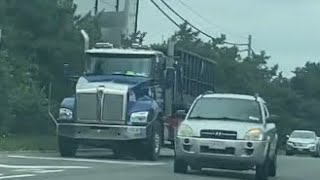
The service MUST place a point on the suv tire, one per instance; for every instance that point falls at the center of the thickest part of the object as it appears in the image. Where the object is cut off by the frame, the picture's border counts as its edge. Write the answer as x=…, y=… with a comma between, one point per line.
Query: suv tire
x=262, y=171
x=273, y=167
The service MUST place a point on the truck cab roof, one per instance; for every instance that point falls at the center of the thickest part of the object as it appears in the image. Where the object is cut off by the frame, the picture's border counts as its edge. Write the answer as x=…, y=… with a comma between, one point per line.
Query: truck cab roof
x=123, y=51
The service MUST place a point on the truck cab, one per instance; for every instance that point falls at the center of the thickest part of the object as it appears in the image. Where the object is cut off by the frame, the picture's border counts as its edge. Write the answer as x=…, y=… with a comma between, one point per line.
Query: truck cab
x=118, y=102
x=129, y=99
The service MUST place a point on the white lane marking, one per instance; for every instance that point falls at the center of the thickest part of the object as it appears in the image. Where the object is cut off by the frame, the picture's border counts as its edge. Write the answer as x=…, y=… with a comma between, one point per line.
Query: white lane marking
x=89, y=160
x=49, y=171
x=39, y=171
x=41, y=167
x=17, y=176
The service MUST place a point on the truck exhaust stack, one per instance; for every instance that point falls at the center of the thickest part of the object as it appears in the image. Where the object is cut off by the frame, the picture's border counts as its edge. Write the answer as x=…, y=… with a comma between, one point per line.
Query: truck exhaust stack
x=86, y=39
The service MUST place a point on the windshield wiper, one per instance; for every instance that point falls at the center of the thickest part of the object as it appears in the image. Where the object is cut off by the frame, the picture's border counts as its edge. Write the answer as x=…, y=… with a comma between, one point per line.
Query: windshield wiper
x=125, y=74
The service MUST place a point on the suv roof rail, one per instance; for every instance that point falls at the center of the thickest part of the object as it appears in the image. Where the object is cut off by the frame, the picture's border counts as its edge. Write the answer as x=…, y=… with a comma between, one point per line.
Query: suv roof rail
x=208, y=92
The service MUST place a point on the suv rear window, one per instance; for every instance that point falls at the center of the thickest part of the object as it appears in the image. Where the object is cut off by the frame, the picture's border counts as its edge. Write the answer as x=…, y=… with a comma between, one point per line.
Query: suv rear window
x=226, y=108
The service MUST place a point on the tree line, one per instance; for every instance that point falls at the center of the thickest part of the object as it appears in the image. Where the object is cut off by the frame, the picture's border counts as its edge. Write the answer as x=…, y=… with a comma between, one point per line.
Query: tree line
x=40, y=35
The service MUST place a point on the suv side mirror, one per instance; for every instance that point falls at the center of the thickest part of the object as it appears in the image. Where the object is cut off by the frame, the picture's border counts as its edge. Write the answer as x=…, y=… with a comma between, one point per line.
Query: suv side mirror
x=287, y=136
x=181, y=114
x=273, y=119
x=170, y=74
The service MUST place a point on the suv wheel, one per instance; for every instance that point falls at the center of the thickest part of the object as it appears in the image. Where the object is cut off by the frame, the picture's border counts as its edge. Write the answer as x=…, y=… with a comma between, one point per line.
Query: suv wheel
x=262, y=171
x=289, y=153
x=67, y=146
x=273, y=167
x=180, y=166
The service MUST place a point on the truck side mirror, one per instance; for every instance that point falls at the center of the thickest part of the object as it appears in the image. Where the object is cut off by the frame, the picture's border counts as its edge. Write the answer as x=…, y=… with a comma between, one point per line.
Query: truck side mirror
x=67, y=73
x=170, y=74
x=273, y=119
x=66, y=70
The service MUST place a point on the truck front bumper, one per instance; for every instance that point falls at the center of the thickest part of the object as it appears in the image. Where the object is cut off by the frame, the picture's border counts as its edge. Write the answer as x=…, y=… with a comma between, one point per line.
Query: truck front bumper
x=102, y=132
x=226, y=154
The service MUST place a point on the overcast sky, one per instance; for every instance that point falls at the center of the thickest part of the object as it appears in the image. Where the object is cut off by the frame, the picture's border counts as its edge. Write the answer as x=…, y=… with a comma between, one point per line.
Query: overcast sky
x=287, y=29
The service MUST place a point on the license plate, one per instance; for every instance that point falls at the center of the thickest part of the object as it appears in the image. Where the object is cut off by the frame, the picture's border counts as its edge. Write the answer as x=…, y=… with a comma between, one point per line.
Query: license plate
x=217, y=145
x=110, y=131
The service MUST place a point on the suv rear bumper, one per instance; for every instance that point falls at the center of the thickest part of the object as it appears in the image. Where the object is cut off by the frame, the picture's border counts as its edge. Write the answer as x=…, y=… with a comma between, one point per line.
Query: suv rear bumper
x=101, y=132
x=232, y=154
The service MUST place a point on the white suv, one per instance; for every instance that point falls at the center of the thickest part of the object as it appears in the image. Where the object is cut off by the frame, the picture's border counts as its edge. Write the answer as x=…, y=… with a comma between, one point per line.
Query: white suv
x=227, y=131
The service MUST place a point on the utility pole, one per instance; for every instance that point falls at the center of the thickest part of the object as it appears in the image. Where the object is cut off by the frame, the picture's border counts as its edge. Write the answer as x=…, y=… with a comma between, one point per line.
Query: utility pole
x=249, y=46
x=117, y=5
x=137, y=14
x=0, y=37
x=96, y=7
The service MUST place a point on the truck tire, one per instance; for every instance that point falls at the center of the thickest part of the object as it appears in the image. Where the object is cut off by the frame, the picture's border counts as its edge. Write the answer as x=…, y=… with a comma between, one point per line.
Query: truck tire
x=180, y=166
x=262, y=171
x=67, y=146
x=117, y=153
x=154, y=143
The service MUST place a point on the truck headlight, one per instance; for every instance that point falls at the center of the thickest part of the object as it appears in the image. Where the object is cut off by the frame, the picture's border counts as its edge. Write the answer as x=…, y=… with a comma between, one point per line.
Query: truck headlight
x=185, y=131
x=139, y=117
x=254, y=135
x=65, y=113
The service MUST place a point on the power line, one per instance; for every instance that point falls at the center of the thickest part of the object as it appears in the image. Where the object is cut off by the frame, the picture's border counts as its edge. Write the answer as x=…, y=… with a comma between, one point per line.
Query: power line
x=177, y=14
x=164, y=13
x=199, y=30
x=206, y=20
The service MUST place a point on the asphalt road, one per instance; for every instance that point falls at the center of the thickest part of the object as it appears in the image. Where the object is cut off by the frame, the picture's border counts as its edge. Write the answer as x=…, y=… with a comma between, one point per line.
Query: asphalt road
x=100, y=165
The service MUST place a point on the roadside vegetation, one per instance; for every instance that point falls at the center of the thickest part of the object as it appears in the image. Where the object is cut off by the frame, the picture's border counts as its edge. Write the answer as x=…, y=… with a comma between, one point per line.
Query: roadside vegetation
x=40, y=35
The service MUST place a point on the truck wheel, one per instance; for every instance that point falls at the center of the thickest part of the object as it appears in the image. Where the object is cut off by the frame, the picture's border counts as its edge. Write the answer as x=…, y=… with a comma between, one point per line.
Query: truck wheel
x=117, y=153
x=262, y=171
x=154, y=144
x=273, y=167
x=180, y=166
x=67, y=146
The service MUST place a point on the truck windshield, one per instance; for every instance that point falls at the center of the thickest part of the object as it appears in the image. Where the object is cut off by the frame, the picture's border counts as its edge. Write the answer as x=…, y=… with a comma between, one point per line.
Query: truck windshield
x=303, y=135
x=121, y=65
x=226, y=109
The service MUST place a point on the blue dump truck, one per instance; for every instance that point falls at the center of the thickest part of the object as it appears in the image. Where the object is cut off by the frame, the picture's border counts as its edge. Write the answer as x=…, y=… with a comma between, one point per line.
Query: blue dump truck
x=131, y=99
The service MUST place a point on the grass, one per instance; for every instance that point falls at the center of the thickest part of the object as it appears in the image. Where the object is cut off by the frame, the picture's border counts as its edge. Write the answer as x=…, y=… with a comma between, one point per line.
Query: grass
x=28, y=143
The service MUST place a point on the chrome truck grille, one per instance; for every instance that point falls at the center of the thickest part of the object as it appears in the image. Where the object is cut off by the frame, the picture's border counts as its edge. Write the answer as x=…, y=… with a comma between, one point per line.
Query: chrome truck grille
x=110, y=108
